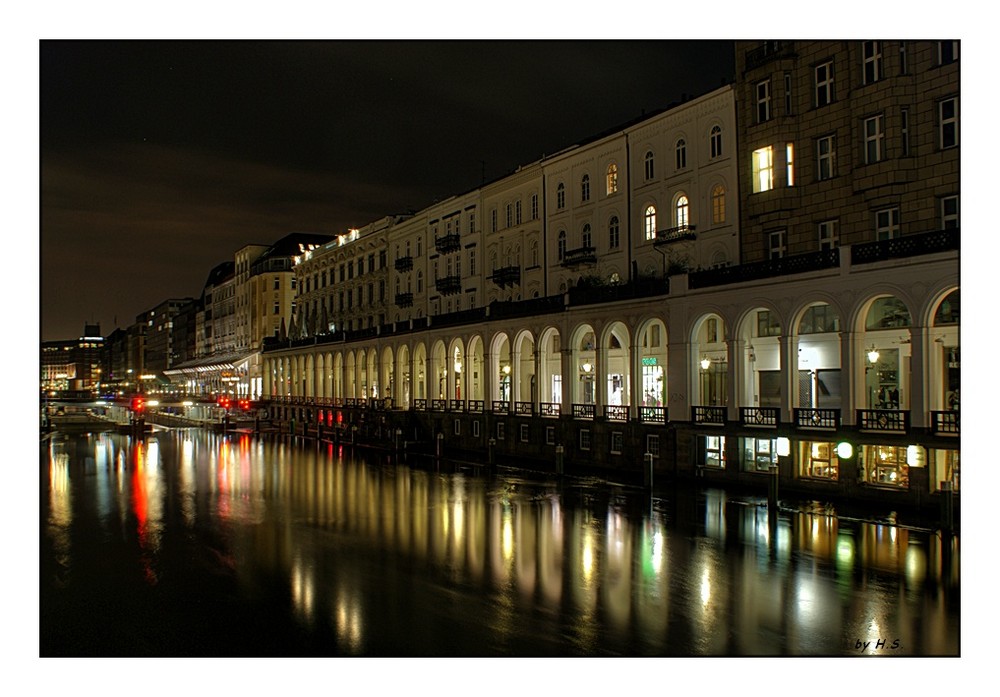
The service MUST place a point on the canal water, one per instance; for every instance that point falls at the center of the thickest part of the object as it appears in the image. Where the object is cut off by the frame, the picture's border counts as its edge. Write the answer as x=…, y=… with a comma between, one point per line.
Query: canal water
x=190, y=543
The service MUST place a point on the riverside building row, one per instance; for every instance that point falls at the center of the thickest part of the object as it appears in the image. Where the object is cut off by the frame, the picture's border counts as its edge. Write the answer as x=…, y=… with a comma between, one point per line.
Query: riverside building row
x=764, y=276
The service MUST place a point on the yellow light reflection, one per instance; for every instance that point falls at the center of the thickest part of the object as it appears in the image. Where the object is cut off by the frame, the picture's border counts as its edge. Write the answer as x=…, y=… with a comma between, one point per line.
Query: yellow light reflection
x=706, y=586
x=587, y=557
x=507, y=539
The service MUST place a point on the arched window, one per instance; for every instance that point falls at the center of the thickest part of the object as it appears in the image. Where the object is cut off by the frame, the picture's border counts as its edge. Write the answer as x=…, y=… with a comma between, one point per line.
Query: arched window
x=612, y=178
x=681, y=154
x=681, y=211
x=718, y=204
x=562, y=245
x=534, y=253
x=648, y=165
x=560, y=196
x=585, y=188
x=587, y=239
x=649, y=222
x=715, y=141
x=614, y=233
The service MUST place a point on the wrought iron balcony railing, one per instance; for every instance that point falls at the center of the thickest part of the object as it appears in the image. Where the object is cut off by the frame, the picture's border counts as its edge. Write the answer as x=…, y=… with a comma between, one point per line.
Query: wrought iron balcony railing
x=549, y=409
x=404, y=263
x=580, y=255
x=759, y=417
x=653, y=415
x=584, y=411
x=817, y=419
x=674, y=234
x=884, y=420
x=448, y=243
x=507, y=276
x=945, y=423
x=767, y=52
x=906, y=246
x=616, y=412
x=709, y=416
x=404, y=299
x=448, y=285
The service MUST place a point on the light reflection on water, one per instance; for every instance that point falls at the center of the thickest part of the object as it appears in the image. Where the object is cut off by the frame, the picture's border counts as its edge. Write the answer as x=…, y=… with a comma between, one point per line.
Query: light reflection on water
x=380, y=559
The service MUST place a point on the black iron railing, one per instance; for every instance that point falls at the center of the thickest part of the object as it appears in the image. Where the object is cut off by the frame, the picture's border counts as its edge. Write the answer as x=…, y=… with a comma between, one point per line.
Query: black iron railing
x=584, y=411
x=945, y=423
x=507, y=276
x=616, y=412
x=448, y=285
x=549, y=409
x=801, y=263
x=906, y=246
x=580, y=255
x=404, y=299
x=884, y=420
x=760, y=417
x=404, y=263
x=653, y=415
x=820, y=419
x=674, y=234
x=709, y=416
x=448, y=243
x=523, y=409
x=501, y=406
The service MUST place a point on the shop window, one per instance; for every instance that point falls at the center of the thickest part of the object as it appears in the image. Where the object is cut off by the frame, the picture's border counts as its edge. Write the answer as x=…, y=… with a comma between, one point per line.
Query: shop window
x=885, y=465
x=715, y=451
x=818, y=460
x=944, y=468
x=617, y=442
x=759, y=454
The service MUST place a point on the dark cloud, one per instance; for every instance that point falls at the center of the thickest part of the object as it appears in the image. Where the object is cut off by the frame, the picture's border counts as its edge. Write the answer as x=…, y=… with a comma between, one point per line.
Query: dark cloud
x=161, y=159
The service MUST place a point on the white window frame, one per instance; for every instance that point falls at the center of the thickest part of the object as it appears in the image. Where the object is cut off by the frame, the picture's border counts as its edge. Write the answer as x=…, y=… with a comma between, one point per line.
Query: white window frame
x=871, y=61
x=763, y=95
x=944, y=48
x=648, y=163
x=827, y=231
x=776, y=243
x=585, y=188
x=614, y=232
x=789, y=164
x=948, y=125
x=587, y=236
x=649, y=222
x=715, y=141
x=584, y=439
x=763, y=169
x=826, y=157
x=824, y=93
x=560, y=196
x=874, y=136
x=887, y=223
x=681, y=151
x=682, y=209
x=949, y=219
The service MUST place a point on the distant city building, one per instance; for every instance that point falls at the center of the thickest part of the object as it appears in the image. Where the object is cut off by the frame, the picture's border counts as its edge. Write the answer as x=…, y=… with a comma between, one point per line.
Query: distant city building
x=73, y=364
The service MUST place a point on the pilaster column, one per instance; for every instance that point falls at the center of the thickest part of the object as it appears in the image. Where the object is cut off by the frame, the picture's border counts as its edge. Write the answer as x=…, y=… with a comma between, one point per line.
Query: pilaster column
x=788, y=362
x=736, y=378
x=917, y=400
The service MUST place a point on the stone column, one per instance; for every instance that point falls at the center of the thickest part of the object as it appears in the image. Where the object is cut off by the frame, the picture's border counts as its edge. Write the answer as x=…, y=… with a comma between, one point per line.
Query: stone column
x=919, y=375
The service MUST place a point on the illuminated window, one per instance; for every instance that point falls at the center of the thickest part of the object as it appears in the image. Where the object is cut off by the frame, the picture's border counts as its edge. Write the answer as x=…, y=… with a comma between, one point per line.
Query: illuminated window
x=763, y=166
x=649, y=222
x=560, y=196
x=612, y=179
x=759, y=454
x=948, y=122
x=872, y=61
x=763, y=101
x=715, y=142
x=614, y=236
x=718, y=204
x=885, y=465
x=681, y=211
x=681, y=150
x=648, y=165
x=585, y=188
x=789, y=164
x=818, y=460
x=824, y=84
x=873, y=139
x=715, y=451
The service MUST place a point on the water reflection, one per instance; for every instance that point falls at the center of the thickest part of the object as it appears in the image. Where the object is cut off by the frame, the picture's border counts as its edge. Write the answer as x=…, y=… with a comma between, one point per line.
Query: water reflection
x=376, y=558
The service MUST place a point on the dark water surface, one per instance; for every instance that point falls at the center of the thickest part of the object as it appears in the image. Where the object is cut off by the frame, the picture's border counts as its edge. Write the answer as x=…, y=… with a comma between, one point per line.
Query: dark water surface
x=195, y=544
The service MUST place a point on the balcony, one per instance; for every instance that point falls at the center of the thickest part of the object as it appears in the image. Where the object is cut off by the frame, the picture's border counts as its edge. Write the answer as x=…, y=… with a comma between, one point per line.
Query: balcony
x=759, y=417
x=883, y=420
x=584, y=411
x=524, y=409
x=944, y=423
x=767, y=52
x=448, y=285
x=817, y=419
x=906, y=246
x=507, y=276
x=404, y=299
x=709, y=416
x=404, y=264
x=783, y=266
x=448, y=243
x=580, y=255
x=549, y=409
x=616, y=412
x=653, y=415
x=674, y=234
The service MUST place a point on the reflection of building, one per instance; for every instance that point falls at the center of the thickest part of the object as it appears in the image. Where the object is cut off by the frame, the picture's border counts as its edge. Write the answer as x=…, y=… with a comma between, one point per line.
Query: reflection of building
x=767, y=269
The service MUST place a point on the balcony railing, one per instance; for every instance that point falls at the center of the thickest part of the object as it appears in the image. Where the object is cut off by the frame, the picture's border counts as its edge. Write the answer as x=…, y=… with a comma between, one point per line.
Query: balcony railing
x=501, y=406
x=404, y=299
x=616, y=412
x=404, y=263
x=767, y=52
x=709, y=416
x=674, y=234
x=584, y=411
x=580, y=255
x=550, y=409
x=653, y=415
x=817, y=419
x=759, y=417
x=420, y=404
x=801, y=263
x=523, y=409
x=476, y=406
x=884, y=420
x=448, y=285
x=945, y=423
x=456, y=405
x=906, y=246
x=507, y=276
x=439, y=404
x=448, y=243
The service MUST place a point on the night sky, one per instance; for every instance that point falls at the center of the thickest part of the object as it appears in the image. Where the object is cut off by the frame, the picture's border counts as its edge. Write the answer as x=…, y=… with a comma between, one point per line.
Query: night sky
x=159, y=159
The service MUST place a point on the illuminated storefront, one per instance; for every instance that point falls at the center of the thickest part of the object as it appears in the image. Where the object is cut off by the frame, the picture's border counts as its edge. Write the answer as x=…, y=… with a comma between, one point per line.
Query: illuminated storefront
x=818, y=460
